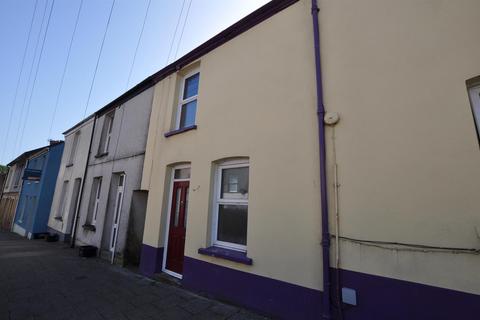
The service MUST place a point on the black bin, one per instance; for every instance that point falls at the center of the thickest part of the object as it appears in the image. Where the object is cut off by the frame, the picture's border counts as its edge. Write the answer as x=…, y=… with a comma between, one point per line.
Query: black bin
x=87, y=251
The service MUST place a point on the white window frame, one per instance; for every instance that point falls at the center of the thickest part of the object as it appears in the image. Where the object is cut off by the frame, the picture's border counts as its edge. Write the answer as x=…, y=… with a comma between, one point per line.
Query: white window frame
x=217, y=201
x=73, y=151
x=96, y=204
x=18, y=175
x=63, y=199
x=182, y=101
x=108, y=135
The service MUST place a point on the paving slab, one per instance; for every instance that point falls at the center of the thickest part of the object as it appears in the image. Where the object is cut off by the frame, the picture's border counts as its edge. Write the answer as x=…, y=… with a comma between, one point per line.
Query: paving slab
x=44, y=280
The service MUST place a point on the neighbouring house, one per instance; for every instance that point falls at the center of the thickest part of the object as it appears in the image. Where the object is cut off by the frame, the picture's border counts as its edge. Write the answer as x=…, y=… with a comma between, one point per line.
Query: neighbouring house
x=3, y=178
x=111, y=212
x=70, y=179
x=372, y=214
x=35, y=200
x=11, y=189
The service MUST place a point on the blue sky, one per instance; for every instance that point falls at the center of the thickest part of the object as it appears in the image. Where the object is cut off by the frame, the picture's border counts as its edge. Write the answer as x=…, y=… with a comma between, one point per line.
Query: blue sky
x=33, y=109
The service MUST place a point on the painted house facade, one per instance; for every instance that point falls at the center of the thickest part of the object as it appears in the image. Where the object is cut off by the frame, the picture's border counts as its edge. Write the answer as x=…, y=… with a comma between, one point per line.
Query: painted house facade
x=70, y=179
x=39, y=178
x=110, y=207
x=11, y=189
x=248, y=190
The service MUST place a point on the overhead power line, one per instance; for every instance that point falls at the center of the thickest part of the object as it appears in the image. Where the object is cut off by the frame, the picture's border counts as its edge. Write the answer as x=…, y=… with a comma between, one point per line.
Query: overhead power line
x=98, y=59
x=65, y=69
x=138, y=44
x=183, y=29
x=175, y=32
x=36, y=71
x=15, y=142
x=18, y=81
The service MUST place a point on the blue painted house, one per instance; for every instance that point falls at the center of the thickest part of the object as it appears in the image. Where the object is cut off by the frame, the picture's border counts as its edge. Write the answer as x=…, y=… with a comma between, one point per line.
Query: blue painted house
x=38, y=187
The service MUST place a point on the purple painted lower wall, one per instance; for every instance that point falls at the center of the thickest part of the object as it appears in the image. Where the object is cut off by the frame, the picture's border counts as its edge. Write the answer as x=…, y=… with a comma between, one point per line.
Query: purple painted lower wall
x=377, y=297
x=268, y=296
x=387, y=298
x=151, y=260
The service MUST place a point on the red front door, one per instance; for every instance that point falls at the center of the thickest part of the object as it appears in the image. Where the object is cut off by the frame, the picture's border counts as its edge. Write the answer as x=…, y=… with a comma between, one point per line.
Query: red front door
x=177, y=228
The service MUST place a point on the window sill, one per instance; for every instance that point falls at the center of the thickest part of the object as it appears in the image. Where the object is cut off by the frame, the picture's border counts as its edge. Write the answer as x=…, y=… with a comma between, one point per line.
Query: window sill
x=174, y=132
x=227, y=254
x=101, y=155
x=58, y=218
x=69, y=165
x=89, y=227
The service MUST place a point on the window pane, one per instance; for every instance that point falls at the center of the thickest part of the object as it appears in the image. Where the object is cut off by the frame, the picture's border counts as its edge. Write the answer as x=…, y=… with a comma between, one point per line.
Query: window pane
x=182, y=173
x=121, y=180
x=178, y=200
x=235, y=183
x=187, y=117
x=191, y=86
x=232, y=224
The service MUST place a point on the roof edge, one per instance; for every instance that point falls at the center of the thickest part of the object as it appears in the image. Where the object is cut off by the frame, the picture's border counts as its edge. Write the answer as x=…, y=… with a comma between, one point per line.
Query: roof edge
x=236, y=29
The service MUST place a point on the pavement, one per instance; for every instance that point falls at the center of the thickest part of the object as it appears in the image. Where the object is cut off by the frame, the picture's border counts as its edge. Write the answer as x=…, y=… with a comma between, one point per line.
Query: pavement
x=44, y=280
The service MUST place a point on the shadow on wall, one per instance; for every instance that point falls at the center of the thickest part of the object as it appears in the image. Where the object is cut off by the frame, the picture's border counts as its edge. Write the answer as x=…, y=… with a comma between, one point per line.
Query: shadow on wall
x=138, y=209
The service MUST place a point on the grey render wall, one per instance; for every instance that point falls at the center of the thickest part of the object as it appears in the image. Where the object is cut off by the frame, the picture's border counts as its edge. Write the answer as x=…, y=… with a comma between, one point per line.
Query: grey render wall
x=125, y=155
x=70, y=172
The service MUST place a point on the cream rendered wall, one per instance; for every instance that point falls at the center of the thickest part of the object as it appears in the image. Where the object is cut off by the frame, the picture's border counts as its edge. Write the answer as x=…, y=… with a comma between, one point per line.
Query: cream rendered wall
x=256, y=99
x=70, y=173
x=407, y=152
x=406, y=148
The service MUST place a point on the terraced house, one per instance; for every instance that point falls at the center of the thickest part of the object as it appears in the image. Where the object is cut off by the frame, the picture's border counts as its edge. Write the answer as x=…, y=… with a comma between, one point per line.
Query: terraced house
x=323, y=163
x=35, y=200
x=317, y=159
x=11, y=189
x=70, y=181
x=109, y=201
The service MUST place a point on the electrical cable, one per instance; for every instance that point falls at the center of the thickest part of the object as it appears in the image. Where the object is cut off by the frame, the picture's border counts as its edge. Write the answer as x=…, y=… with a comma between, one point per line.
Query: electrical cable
x=36, y=71
x=138, y=44
x=408, y=246
x=98, y=59
x=183, y=29
x=18, y=80
x=65, y=69
x=175, y=32
x=15, y=142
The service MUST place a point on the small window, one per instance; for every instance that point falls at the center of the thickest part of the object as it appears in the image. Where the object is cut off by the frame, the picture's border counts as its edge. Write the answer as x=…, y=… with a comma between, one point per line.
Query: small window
x=474, y=93
x=106, y=133
x=9, y=177
x=18, y=175
x=63, y=195
x=73, y=150
x=230, y=215
x=182, y=173
x=187, y=107
x=94, y=203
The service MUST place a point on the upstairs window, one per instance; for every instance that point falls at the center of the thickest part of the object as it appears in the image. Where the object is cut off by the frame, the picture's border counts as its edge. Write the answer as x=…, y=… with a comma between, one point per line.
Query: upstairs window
x=18, y=175
x=73, y=150
x=230, y=214
x=106, y=133
x=11, y=172
x=187, y=106
x=474, y=93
